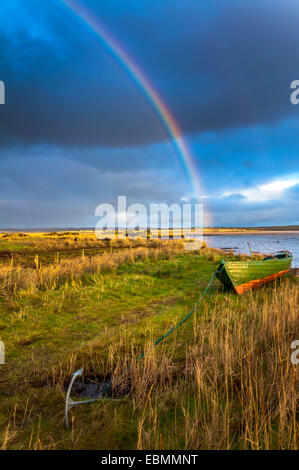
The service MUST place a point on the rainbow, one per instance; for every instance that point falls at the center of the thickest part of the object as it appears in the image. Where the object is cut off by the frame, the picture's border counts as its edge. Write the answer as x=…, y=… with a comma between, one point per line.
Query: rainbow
x=146, y=87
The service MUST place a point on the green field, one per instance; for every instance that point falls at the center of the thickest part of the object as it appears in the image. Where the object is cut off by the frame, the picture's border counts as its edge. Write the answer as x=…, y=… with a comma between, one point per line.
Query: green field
x=222, y=380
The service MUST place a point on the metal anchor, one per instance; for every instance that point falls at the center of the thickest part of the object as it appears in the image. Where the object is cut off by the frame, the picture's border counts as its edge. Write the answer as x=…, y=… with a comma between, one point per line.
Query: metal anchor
x=69, y=403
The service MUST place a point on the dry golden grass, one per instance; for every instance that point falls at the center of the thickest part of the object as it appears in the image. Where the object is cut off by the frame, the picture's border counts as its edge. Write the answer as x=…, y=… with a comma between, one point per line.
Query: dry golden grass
x=231, y=386
x=73, y=240
x=224, y=380
x=236, y=387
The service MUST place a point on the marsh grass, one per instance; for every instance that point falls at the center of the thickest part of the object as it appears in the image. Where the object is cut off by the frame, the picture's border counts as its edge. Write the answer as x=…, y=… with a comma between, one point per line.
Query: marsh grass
x=224, y=380
x=25, y=249
x=14, y=278
x=238, y=386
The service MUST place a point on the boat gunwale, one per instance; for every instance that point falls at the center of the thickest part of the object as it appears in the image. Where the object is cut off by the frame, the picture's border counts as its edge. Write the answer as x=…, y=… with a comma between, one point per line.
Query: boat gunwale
x=225, y=266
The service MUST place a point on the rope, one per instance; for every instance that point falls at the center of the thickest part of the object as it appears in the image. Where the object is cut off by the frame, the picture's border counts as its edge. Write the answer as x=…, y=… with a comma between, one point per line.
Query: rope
x=210, y=284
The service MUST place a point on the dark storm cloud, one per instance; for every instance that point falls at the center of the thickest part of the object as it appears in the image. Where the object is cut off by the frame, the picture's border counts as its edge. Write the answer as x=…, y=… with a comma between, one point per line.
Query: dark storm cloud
x=236, y=211
x=76, y=130
x=44, y=189
x=218, y=64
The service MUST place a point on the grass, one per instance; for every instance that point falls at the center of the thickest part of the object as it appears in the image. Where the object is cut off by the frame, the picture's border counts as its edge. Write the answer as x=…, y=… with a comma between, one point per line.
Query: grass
x=223, y=380
x=21, y=249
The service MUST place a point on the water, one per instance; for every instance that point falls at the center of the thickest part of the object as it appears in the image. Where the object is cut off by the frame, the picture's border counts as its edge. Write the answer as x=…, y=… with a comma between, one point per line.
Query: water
x=89, y=389
x=263, y=243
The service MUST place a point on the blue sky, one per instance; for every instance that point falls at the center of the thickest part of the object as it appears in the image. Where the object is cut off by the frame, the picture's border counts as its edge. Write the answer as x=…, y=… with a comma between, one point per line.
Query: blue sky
x=76, y=131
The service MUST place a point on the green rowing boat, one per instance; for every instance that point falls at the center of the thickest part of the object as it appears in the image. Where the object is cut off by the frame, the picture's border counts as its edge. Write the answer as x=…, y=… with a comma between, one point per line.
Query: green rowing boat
x=242, y=276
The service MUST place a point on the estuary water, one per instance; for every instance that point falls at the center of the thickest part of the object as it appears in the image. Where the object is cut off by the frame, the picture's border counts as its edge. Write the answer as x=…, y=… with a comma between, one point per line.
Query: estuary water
x=263, y=243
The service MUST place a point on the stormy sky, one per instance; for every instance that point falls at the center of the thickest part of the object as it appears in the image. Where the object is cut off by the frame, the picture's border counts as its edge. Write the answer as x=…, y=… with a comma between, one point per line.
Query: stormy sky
x=76, y=131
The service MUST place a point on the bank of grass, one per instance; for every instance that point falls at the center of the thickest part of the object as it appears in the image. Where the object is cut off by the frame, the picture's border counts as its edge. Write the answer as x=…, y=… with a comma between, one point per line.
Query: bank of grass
x=222, y=380
x=24, y=249
x=15, y=278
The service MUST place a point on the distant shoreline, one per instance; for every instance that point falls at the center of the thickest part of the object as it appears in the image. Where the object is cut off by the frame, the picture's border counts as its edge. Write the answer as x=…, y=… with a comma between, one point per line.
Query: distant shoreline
x=249, y=232
x=206, y=232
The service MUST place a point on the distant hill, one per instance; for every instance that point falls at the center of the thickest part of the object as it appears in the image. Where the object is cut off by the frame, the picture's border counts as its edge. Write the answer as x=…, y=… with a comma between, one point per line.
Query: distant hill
x=91, y=229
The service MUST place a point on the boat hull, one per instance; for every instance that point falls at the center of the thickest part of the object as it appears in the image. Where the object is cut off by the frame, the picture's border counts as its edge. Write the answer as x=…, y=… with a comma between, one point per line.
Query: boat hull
x=242, y=276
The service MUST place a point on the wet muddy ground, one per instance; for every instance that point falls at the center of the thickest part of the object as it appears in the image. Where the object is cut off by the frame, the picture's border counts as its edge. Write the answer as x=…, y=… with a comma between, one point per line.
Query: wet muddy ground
x=90, y=388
